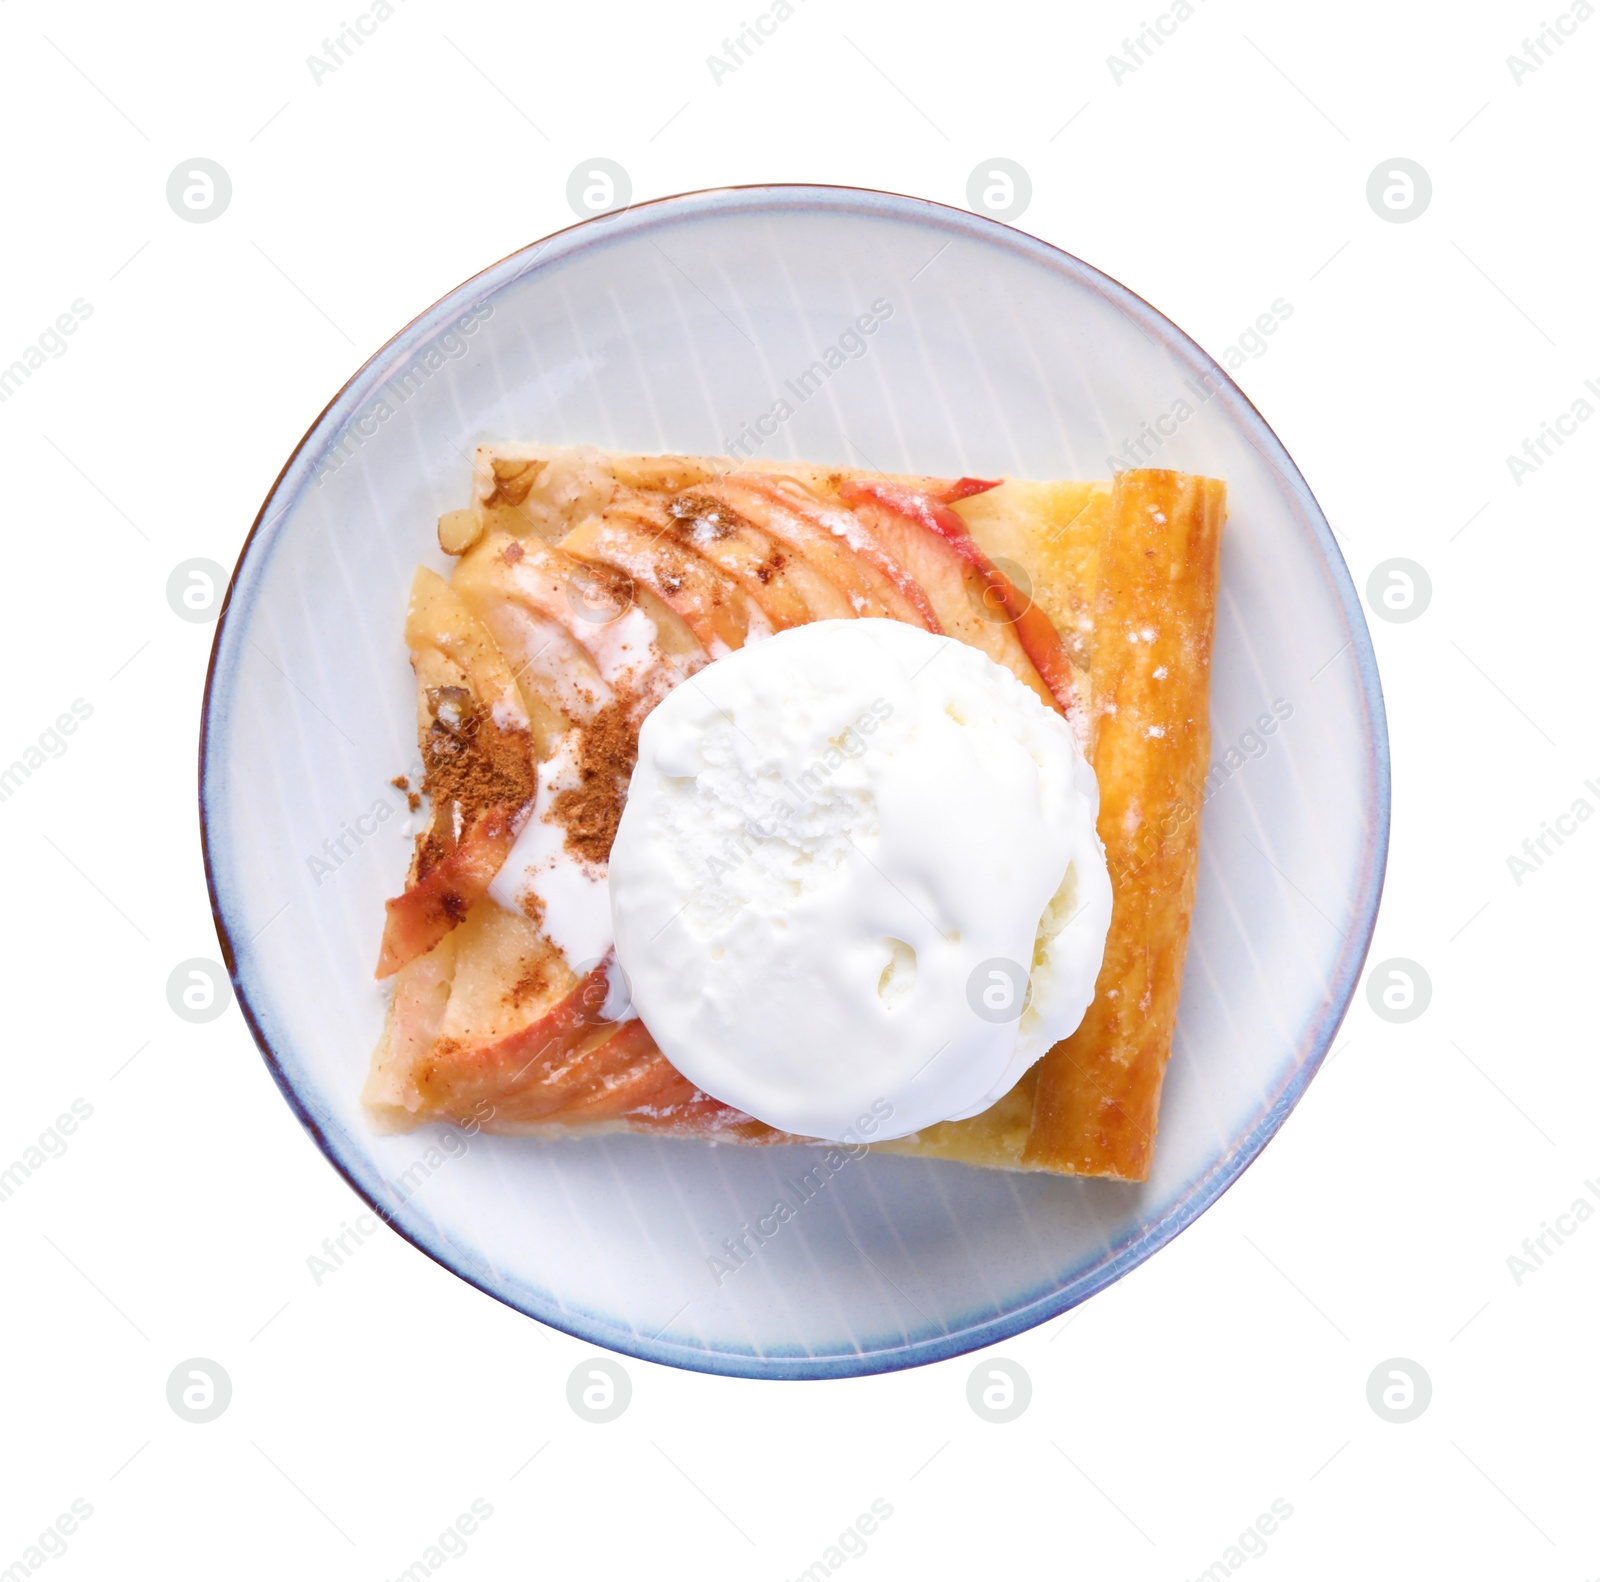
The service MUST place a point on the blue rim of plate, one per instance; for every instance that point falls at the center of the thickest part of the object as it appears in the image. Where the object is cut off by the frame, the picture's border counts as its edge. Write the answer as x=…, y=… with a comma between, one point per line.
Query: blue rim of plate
x=1196, y=1195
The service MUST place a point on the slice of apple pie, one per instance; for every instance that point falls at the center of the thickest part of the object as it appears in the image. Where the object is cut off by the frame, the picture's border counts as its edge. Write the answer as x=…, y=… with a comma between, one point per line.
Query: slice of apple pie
x=588, y=585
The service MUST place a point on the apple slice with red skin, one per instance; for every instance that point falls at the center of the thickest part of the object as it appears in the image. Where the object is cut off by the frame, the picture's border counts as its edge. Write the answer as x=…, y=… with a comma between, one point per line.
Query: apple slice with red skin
x=470, y=710
x=614, y=1070
x=460, y=1079
x=545, y=657
x=964, y=489
x=620, y=1074
x=570, y=1063
x=700, y=1115
x=1033, y=629
x=784, y=583
x=418, y=919
x=416, y=1013
x=817, y=533
x=489, y=979
x=955, y=587
x=847, y=526
x=627, y=1073
x=561, y=589
x=713, y=605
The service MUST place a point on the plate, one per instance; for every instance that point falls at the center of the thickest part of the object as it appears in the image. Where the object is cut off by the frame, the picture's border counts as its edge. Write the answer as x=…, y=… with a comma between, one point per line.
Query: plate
x=720, y=321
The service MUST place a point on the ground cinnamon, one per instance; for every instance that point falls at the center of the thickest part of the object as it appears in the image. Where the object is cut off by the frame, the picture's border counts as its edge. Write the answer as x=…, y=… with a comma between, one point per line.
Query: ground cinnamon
x=469, y=765
x=608, y=746
x=534, y=980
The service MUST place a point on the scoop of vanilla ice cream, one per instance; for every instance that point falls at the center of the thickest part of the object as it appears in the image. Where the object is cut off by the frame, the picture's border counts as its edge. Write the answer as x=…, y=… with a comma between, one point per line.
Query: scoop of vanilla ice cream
x=857, y=887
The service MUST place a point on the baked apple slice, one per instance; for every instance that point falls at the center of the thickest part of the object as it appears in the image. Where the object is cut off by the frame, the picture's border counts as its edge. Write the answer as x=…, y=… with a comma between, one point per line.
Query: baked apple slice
x=636, y=646
x=712, y=604
x=493, y=1025
x=475, y=1020
x=956, y=588
x=478, y=745
x=1001, y=600
x=760, y=501
x=898, y=589
x=546, y=659
x=788, y=588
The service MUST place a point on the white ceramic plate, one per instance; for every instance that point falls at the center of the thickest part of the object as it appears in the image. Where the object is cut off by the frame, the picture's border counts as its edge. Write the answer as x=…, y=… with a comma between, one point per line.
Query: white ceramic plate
x=671, y=327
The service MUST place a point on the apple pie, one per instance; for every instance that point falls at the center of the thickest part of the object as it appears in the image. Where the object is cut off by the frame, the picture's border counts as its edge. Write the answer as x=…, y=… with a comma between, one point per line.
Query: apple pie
x=587, y=585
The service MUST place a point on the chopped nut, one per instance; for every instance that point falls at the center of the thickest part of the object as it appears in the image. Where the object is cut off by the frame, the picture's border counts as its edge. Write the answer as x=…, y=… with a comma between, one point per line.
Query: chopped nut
x=513, y=479
x=459, y=531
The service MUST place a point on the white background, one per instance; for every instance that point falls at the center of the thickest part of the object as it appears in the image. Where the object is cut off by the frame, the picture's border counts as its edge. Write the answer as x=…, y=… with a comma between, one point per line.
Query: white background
x=369, y=1411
